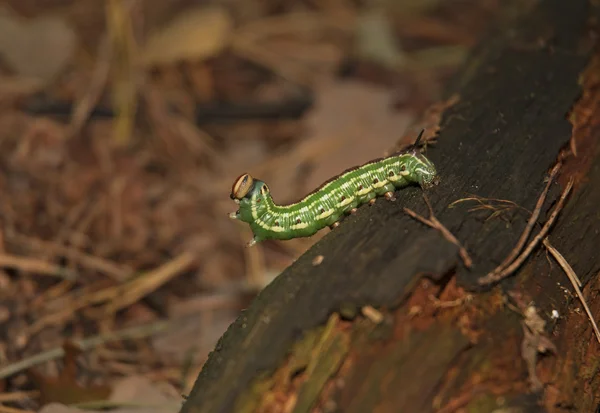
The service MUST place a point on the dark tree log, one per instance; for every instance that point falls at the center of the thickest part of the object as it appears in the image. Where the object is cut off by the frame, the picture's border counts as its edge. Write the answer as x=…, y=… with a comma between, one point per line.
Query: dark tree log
x=304, y=343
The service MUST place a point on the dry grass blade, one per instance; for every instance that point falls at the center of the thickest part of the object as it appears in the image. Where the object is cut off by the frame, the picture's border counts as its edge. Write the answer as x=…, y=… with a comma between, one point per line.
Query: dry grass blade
x=434, y=223
x=124, y=88
x=499, y=274
x=117, y=297
x=18, y=395
x=574, y=281
x=35, y=266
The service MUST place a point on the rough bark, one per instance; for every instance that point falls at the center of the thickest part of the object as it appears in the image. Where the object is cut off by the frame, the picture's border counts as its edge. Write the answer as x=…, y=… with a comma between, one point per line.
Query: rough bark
x=304, y=342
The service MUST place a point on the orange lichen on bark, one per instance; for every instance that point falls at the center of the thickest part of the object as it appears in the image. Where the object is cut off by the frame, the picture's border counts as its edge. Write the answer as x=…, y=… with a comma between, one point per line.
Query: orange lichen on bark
x=584, y=117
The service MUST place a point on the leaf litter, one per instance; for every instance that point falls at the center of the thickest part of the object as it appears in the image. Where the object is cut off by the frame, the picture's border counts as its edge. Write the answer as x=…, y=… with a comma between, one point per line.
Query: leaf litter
x=117, y=260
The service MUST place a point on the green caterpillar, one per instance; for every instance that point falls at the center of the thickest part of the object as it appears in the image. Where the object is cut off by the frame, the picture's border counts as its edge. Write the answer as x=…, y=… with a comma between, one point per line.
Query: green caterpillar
x=326, y=205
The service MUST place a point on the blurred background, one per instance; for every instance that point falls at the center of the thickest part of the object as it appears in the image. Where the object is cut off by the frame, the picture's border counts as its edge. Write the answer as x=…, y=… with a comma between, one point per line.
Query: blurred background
x=123, y=125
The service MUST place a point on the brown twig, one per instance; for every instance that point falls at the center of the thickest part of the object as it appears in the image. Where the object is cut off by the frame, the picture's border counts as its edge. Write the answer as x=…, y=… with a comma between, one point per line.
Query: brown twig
x=434, y=223
x=574, y=281
x=499, y=273
x=531, y=223
x=35, y=266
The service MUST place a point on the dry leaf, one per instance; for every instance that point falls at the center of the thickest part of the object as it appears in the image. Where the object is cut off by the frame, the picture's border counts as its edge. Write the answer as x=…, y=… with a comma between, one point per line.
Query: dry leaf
x=66, y=388
x=137, y=393
x=362, y=116
x=375, y=39
x=140, y=390
x=60, y=408
x=196, y=34
x=39, y=47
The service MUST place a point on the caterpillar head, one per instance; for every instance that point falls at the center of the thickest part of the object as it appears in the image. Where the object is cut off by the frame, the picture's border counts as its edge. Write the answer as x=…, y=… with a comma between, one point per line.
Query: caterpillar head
x=250, y=194
x=424, y=170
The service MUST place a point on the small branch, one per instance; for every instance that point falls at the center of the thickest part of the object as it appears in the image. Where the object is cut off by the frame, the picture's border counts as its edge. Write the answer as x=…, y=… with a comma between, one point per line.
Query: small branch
x=434, y=223
x=499, y=274
x=574, y=281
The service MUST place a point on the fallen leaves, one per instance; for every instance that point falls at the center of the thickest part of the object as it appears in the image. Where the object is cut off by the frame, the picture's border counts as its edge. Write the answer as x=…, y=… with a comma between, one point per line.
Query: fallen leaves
x=38, y=48
x=194, y=35
x=129, y=395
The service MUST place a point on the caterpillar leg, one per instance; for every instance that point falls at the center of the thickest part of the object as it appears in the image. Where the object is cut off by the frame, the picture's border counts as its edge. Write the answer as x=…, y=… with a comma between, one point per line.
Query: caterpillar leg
x=390, y=196
x=353, y=211
x=233, y=215
x=335, y=225
x=372, y=201
x=251, y=243
x=434, y=182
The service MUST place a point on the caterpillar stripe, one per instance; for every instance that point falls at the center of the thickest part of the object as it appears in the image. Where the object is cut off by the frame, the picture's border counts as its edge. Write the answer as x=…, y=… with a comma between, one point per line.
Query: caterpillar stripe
x=328, y=204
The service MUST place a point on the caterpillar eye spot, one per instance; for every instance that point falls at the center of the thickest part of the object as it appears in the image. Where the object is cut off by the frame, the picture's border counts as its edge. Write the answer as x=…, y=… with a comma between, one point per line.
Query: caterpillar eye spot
x=241, y=186
x=375, y=180
x=258, y=201
x=343, y=198
x=264, y=189
x=276, y=223
x=360, y=187
x=391, y=173
x=322, y=210
x=298, y=221
x=403, y=168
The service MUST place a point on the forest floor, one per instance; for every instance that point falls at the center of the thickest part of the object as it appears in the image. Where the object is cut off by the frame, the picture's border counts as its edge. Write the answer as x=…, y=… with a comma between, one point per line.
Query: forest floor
x=123, y=125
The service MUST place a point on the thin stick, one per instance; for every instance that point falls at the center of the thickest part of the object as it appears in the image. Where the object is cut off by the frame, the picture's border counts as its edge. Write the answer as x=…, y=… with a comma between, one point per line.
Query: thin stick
x=496, y=276
x=35, y=266
x=434, y=223
x=574, y=281
x=18, y=395
x=531, y=223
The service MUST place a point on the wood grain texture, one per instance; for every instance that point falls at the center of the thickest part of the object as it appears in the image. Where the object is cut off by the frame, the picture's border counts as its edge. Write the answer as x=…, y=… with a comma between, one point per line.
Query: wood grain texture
x=498, y=141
